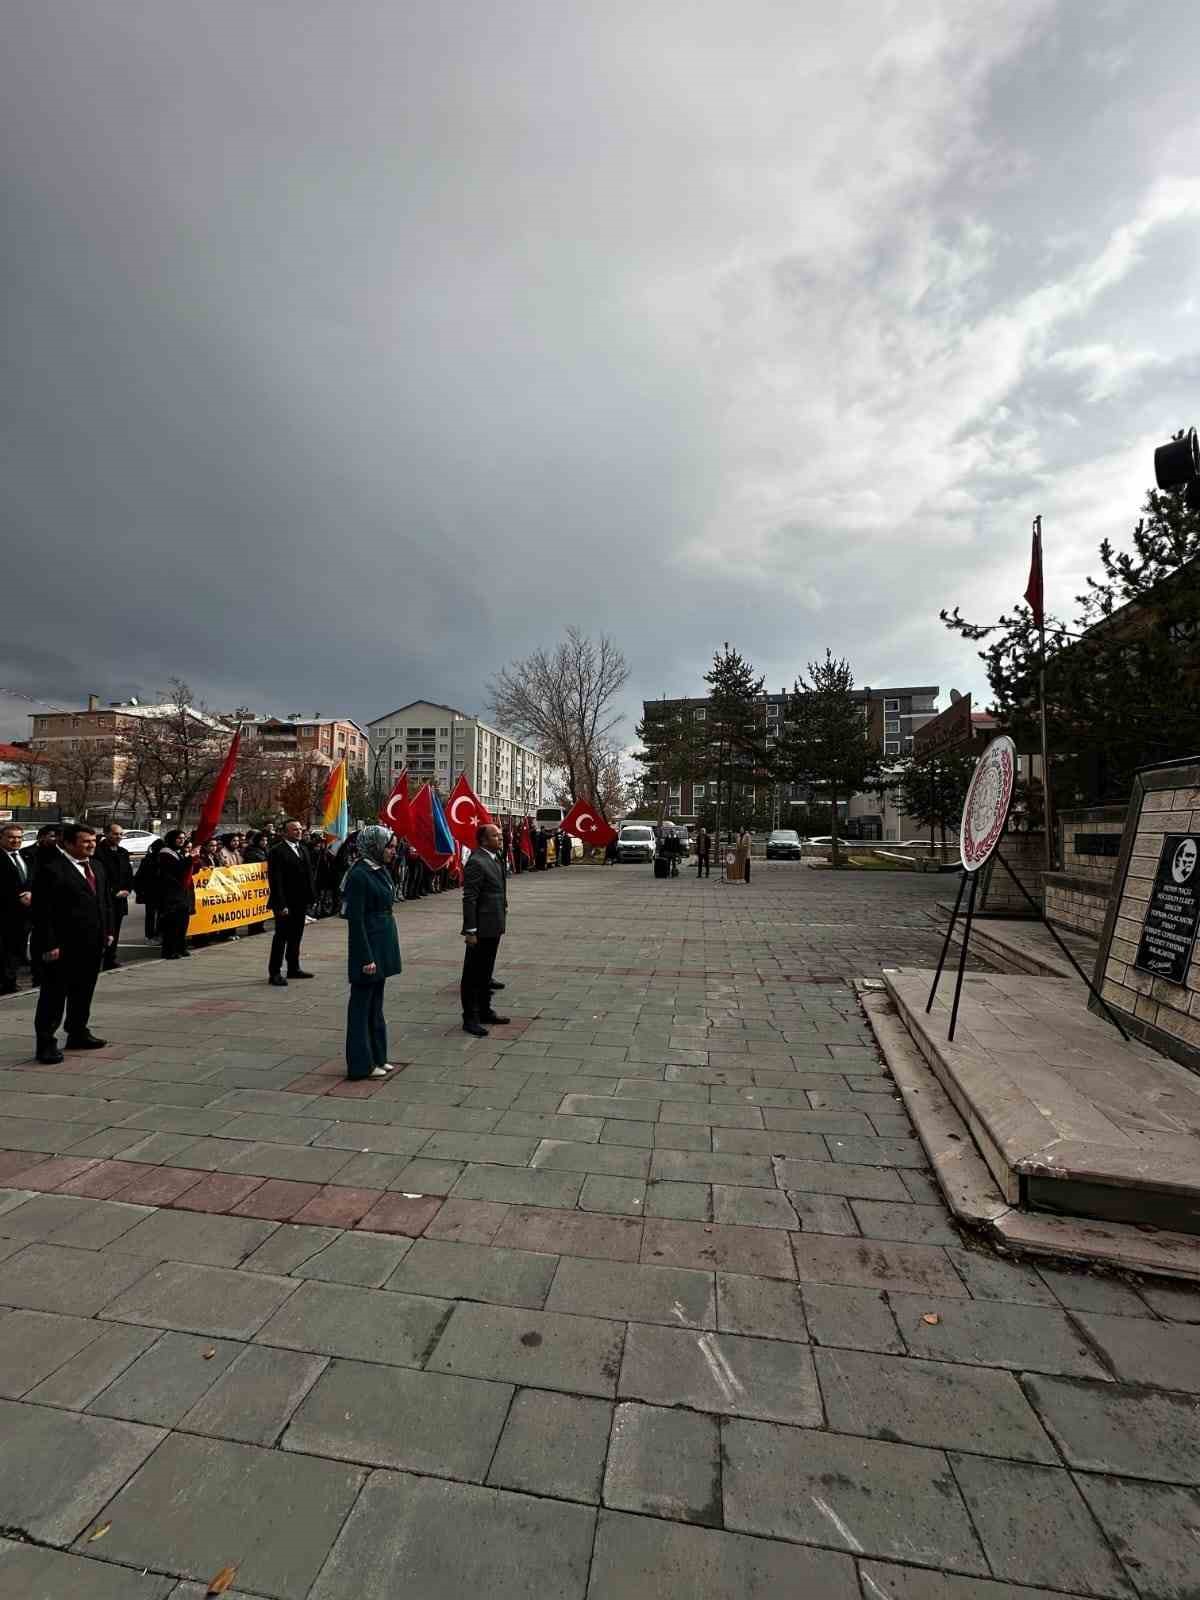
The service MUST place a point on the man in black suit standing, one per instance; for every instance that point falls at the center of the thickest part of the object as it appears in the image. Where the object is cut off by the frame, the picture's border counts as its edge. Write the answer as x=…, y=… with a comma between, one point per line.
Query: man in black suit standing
x=290, y=880
x=118, y=870
x=485, y=904
x=72, y=925
x=36, y=855
x=16, y=879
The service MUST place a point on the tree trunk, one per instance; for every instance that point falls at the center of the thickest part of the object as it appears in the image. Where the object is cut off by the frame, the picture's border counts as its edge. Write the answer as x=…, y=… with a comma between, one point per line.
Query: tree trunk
x=833, y=830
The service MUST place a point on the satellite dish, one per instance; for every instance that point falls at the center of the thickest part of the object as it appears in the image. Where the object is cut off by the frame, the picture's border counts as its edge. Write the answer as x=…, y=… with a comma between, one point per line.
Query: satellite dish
x=955, y=697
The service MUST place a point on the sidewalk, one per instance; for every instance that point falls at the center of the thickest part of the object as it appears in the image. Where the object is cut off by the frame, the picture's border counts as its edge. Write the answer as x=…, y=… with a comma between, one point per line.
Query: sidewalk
x=650, y=1294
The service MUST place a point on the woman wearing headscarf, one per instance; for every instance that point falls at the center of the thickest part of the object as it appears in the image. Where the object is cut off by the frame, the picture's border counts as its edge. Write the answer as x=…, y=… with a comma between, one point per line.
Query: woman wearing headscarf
x=374, y=952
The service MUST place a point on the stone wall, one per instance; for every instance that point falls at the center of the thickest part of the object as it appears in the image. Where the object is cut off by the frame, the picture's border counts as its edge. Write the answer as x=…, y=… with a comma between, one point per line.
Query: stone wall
x=1076, y=903
x=999, y=895
x=1075, y=827
x=1166, y=1015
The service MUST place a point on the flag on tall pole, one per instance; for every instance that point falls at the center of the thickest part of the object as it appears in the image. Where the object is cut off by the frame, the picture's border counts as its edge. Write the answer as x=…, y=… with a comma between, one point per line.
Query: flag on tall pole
x=210, y=814
x=335, y=809
x=1034, y=593
x=525, y=840
x=1036, y=597
x=394, y=812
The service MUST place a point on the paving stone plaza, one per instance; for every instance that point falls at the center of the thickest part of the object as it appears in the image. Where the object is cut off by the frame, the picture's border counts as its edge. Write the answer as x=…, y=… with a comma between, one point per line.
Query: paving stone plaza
x=647, y=1295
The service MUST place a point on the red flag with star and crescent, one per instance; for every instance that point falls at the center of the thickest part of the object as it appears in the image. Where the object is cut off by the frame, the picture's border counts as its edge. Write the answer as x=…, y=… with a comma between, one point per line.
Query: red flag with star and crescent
x=465, y=812
x=585, y=823
x=525, y=840
x=394, y=812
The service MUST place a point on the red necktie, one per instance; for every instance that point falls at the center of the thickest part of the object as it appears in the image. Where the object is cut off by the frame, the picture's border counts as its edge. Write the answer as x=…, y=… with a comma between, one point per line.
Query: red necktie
x=90, y=876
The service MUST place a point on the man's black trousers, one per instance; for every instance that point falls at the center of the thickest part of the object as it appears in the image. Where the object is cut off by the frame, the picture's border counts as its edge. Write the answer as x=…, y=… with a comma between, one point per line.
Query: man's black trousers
x=289, y=931
x=67, y=985
x=479, y=962
x=702, y=866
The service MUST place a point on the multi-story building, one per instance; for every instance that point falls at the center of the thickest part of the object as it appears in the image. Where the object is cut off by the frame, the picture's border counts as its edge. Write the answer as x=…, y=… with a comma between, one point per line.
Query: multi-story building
x=892, y=716
x=87, y=750
x=295, y=736
x=436, y=742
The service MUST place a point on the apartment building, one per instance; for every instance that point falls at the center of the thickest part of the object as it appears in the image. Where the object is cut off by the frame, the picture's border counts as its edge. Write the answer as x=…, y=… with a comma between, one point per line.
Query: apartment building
x=297, y=737
x=87, y=749
x=436, y=742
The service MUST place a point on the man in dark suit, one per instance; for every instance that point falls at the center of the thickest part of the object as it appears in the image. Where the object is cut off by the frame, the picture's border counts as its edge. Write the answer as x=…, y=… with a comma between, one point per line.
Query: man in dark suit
x=118, y=871
x=36, y=855
x=485, y=904
x=72, y=925
x=16, y=879
x=290, y=880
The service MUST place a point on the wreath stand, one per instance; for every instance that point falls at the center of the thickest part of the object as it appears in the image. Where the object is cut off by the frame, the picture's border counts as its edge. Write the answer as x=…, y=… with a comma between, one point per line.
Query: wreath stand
x=1000, y=752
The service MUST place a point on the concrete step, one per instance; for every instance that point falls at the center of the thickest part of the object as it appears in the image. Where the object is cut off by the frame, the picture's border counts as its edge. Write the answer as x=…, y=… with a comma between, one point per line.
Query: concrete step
x=1069, y=1118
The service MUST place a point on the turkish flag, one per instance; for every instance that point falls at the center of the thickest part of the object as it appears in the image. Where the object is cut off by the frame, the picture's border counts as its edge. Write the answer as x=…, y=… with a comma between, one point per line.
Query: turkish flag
x=584, y=823
x=1034, y=593
x=394, y=813
x=465, y=812
x=210, y=814
x=526, y=840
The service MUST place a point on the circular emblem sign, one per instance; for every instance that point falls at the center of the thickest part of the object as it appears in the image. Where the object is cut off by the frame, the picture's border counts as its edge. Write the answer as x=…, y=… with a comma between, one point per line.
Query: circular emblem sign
x=988, y=799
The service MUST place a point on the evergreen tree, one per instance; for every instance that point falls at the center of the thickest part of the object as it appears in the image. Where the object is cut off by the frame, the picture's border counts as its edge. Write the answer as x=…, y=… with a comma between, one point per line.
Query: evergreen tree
x=930, y=792
x=736, y=732
x=675, y=750
x=1124, y=695
x=825, y=742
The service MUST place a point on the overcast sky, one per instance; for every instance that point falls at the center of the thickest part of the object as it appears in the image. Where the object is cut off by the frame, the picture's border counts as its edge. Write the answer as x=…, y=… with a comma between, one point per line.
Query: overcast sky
x=354, y=347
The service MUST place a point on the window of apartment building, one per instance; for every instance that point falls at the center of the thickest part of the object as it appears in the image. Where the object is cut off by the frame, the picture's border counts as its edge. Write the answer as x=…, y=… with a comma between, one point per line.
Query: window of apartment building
x=892, y=706
x=443, y=733
x=891, y=724
x=700, y=715
x=891, y=747
x=697, y=792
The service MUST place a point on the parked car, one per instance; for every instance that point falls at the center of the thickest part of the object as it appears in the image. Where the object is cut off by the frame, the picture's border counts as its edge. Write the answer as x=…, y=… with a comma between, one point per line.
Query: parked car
x=636, y=842
x=783, y=845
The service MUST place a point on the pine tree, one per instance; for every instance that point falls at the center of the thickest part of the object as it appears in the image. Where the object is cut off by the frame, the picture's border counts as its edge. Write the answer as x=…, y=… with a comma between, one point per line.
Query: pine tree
x=825, y=742
x=675, y=750
x=736, y=730
x=1125, y=694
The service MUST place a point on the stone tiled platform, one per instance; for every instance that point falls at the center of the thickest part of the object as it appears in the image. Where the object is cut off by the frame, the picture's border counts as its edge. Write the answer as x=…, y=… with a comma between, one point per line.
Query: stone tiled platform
x=1068, y=1116
x=649, y=1294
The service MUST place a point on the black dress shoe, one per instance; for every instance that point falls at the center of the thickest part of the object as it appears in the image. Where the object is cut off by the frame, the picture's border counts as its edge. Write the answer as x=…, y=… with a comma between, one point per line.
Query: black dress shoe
x=495, y=984
x=476, y=1028
x=301, y=974
x=50, y=1056
x=496, y=1022
x=184, y=954
x=277, y=982
x=85, y=1041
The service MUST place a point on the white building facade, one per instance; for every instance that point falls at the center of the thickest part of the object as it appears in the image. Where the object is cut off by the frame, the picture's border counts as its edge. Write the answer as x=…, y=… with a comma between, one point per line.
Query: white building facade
x=437, y=742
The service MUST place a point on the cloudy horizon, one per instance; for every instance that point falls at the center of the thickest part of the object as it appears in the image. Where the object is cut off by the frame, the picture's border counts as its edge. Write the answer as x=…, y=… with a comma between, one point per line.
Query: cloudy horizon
x=355, y=350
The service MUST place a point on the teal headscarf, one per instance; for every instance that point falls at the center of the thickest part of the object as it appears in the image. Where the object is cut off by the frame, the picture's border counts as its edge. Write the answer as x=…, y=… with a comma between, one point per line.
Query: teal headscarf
x=373, y=841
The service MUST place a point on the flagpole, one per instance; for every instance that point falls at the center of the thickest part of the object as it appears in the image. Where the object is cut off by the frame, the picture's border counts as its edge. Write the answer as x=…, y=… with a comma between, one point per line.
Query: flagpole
x=1047, y=802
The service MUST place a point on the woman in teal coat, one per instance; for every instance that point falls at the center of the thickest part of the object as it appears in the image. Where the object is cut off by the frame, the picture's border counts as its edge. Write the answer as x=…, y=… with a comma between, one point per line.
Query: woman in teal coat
x=374, y=952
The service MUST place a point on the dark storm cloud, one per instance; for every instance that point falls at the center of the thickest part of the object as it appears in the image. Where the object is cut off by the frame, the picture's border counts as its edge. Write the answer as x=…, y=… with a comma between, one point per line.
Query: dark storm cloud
x=352, y=350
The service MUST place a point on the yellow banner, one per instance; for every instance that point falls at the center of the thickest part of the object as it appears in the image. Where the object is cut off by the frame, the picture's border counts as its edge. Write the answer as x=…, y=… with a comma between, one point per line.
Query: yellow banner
x=229, y=897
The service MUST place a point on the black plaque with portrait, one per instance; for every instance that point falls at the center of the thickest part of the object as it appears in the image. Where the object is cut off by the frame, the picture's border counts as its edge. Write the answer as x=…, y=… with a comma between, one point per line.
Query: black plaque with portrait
x=1173, y=915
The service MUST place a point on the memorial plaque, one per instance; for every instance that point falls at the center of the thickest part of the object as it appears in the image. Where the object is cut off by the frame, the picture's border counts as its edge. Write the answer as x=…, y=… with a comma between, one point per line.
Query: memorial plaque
x=1173, y=914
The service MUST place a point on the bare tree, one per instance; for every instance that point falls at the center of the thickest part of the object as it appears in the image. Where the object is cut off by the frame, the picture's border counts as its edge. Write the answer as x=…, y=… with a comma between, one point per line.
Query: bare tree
x=175, y=755
x=301, y=792
x=564, y=701
x=79, y=768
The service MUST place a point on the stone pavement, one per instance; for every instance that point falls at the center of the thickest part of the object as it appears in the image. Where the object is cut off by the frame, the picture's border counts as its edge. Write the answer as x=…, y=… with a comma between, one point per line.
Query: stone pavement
x=647, y=1295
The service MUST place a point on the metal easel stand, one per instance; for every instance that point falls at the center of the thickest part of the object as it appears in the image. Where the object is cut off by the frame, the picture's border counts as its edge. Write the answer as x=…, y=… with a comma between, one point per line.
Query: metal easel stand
x=1092, y=990
x=962, y=957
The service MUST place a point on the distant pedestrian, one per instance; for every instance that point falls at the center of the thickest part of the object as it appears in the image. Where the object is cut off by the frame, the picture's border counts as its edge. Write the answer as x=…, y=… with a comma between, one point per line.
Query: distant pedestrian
x=742, y=856
x=485, y=905
x=290, y=875
x=71, y=915
x=118, y=871
x=703, y=852
x=610, y=852
x=176, y=896
x=373, y=947
x=16, y=878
